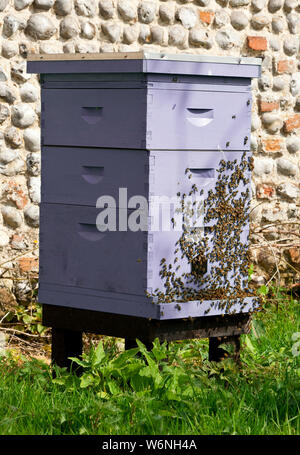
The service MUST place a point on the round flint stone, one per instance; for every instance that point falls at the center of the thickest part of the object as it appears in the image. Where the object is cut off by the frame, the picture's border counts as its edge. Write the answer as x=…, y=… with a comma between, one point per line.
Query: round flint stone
x=21, y=4
x=11, y=216
x=33, y=161
x=106, y=8
x=278, y=83
x=225, y=39
x=275, y=5
x=29, y=93
x=9, y=49
x=44, y=4
x=7, y=156
x=69, y=27
x=32, y=215
x=63, y=7
x=40, y=26
x=177, y=35
x=187, y=17
x=23, y=115
x=32, y=139
x=86, y=8
x=262, y=166
x=293, y=144
x=88, y=30
x=221, y=18
x=277, y=25
x=13, y=137
x=239, y=20
x=3, y=4
x=4, y=113
x=286, y=167
x=146, y=12
x=127, y=11
x=11, y=25
x=258, y=5
x=167, y=13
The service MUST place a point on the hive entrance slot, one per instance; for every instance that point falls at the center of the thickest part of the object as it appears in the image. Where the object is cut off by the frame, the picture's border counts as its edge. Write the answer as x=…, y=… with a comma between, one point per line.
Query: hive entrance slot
x=199, y=265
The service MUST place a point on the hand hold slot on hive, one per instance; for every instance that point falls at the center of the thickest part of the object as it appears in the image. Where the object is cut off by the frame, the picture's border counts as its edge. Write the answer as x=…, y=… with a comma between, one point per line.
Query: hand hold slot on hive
x=93, y=174
x=90, y=232
x=203, y=173
x=92, y=115
x=200, y=117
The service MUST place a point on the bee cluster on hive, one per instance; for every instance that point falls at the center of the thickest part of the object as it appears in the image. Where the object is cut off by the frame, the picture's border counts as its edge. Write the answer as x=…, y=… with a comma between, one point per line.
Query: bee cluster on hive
x=221, y=243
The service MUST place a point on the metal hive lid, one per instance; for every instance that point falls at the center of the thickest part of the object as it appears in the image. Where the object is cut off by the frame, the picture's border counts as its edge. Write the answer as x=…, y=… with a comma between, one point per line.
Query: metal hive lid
x=145, y=62
x=142, y=55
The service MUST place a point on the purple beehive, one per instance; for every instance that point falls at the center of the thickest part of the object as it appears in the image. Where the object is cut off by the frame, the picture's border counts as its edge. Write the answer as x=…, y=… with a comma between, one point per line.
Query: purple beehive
x=127, y=127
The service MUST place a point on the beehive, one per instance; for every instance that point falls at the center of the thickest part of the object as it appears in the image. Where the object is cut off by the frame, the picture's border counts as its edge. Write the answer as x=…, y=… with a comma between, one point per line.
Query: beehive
x=154, y=125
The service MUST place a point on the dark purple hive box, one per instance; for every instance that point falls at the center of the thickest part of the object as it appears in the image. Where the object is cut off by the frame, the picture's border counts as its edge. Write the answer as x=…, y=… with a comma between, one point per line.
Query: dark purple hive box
x=134, y=121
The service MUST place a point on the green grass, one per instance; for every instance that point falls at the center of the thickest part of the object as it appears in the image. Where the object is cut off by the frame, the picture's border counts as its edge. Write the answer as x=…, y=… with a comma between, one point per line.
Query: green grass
x=185, y=394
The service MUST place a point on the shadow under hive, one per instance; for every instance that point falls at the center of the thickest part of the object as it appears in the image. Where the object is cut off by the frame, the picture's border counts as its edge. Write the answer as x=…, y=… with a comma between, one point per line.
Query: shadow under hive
x=135, y=121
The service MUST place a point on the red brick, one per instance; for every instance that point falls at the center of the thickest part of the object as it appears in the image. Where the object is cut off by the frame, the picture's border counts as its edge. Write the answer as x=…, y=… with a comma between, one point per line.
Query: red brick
x=28, y=264
x=292, y=123
x=264, y=191
x=268, y=106
x=257, y=43
x=285, y=66
x=16, y=194
x=206, y=16
x=272, y=145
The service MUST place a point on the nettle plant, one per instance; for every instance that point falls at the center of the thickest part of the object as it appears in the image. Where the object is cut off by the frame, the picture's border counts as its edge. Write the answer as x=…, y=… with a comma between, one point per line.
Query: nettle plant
x=218, y=253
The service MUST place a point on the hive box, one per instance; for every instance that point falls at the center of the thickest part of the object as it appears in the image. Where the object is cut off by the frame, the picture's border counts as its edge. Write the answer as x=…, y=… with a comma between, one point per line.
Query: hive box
x=134, y=122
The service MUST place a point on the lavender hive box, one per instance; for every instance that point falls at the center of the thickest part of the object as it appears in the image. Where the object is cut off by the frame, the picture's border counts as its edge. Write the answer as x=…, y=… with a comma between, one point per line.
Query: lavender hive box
x=146, y=118
x=82, y=175
x=146, y=101
x=134, y=121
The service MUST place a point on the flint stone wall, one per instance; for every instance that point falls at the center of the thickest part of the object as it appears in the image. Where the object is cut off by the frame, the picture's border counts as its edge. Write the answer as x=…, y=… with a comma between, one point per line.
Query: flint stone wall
x=262, y=28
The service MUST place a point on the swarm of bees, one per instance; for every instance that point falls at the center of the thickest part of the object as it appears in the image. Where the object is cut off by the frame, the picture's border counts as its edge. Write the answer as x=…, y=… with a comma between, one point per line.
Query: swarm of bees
x=218, y=254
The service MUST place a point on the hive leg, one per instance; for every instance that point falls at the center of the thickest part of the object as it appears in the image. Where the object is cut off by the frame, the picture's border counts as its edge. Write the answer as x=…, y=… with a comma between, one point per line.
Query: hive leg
x=236, y=340
x=65, y=344
x=216, y=354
